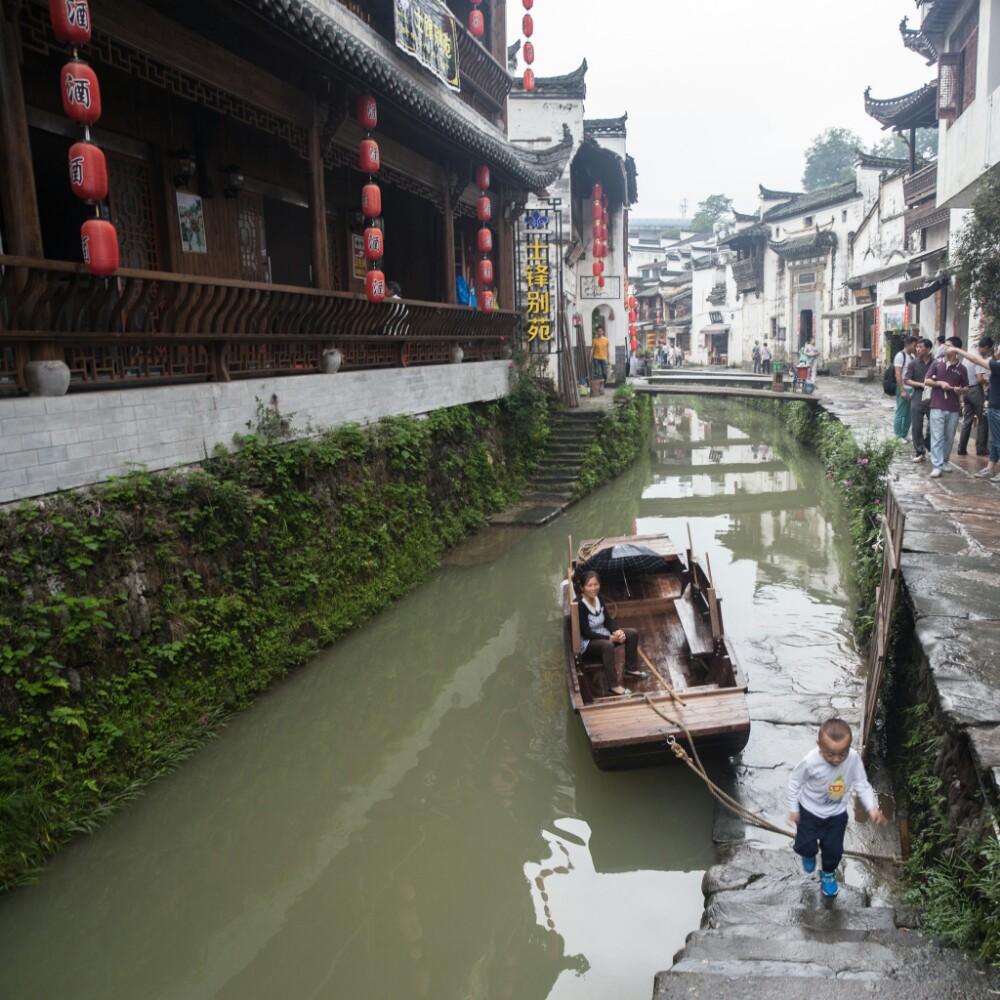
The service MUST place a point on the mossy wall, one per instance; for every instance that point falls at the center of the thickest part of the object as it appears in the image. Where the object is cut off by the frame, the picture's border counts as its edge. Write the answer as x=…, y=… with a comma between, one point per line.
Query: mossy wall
x=136, y=616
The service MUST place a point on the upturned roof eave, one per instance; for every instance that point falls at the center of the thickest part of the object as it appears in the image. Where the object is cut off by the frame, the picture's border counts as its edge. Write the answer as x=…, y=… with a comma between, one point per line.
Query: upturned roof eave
x=375, y=64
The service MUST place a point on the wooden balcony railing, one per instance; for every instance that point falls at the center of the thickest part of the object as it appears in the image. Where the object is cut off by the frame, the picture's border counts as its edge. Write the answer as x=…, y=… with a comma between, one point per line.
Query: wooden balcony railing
x=921, y=185
x=746, y=276
x=145, y=327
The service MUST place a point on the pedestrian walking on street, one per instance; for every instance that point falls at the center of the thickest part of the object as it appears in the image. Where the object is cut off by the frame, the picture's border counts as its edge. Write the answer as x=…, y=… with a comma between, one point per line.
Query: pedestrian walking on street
x=919, y=399
x=765, y=358
x=901, y=424
x=817, y=800
x=755, y=355
x=993, y=410
x=974, y=400
x=948, y=380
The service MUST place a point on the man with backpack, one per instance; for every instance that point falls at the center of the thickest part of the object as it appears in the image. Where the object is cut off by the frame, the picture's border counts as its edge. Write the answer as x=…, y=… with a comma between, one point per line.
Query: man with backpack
x=901, y=425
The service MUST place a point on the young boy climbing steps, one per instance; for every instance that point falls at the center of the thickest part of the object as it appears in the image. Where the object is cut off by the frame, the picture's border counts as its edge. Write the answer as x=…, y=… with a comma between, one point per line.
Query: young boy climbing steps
x=817, y=800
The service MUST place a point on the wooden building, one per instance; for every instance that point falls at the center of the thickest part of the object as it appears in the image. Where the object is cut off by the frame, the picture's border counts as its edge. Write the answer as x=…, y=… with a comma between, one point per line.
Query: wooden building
x=232, y=148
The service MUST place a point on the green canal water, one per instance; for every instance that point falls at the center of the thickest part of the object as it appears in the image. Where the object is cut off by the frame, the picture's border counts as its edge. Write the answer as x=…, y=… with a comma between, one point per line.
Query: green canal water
x=415, y=813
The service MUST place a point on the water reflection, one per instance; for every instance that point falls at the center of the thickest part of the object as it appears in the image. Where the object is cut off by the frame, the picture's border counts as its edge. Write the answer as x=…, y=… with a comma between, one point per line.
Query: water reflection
x=376, y=826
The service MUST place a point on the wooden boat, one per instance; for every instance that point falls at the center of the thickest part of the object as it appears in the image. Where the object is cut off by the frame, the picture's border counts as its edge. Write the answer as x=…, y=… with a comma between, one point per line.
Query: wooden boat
x=694, y=676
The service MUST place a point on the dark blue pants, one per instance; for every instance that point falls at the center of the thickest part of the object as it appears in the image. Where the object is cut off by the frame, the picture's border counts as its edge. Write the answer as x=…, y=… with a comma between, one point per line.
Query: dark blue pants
x=826, y=832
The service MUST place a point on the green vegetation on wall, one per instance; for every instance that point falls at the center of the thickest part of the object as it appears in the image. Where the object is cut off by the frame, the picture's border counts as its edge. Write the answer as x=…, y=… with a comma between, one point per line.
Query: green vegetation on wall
x=138, y=615
x=622, y=432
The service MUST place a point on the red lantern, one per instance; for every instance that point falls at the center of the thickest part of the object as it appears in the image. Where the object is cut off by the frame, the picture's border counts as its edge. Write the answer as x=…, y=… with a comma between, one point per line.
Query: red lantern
x=484, y=210
x=529, y=53
x=367, y=112
x=88, y=172
x=633, y=343
x=597, y=211
x=604, y=202
x=375, y=286
x=527, y=4
x=374, y=244
x=477, y=25
x=604, y=234
x=81, y=93
x=600, y=281
x=597, y=192
x=486, y=302
x=70, y=20
x=604, y=217
x=483, y=177
x=631, y=302
x=527, y=26
x=485, y=272
x=475, y=3
x=368, y=158
x=99, y=243
x=484, y=240
x=598, y=268
x=529, y=80
x=632, y=317
x=371, y=201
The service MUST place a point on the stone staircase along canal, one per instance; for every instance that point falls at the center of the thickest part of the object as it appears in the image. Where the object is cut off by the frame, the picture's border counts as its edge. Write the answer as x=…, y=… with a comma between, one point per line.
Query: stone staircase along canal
x=550, y=491
x=769, y=934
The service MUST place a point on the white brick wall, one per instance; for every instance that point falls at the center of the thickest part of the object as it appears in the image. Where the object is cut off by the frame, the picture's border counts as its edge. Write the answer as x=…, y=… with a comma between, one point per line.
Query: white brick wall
x=64, y=442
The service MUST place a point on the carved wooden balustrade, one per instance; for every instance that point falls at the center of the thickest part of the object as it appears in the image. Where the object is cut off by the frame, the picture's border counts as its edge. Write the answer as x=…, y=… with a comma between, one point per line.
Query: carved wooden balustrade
x=746, y=275
x=152, y=326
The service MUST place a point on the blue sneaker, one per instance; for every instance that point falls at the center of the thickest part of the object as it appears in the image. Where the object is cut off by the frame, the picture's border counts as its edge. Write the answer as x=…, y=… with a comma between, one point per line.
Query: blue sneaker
x=809, y=865
x=828, y=883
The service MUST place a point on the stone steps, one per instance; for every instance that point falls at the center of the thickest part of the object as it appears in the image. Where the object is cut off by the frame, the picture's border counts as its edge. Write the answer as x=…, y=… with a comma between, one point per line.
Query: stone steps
x=769, y=934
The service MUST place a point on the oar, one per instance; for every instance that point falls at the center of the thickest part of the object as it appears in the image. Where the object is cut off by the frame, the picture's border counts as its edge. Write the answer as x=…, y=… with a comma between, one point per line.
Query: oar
x=673, y=694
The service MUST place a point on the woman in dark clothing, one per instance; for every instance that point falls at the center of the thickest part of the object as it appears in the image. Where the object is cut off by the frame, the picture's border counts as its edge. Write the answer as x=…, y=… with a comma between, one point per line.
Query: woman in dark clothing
x=599, y=636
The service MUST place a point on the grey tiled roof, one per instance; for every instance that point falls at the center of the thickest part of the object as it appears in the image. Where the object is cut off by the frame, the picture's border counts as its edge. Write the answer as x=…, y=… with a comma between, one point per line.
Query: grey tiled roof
x=813, y=245
x=605, y=126
x=917, y=109
x=568, y=85
x=812, y=200
x=373, y=69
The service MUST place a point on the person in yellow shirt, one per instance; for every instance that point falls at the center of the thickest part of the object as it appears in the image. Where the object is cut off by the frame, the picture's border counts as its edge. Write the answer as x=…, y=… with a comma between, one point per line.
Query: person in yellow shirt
x=600, y=345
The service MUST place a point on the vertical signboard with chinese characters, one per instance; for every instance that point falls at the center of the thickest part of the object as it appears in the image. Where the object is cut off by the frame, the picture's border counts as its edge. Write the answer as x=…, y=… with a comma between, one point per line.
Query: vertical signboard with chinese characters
x=426, y=30
x=538, y=240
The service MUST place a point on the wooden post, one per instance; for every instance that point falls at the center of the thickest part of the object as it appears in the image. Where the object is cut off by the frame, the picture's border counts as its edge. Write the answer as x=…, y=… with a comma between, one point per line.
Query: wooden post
x=317, y=205
x=20, y=200
x=450, y=292
x=17, y=190
x=505, y=255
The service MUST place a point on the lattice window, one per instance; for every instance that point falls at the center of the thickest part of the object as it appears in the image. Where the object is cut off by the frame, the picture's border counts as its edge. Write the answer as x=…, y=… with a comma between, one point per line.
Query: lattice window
x=130, y=195
x=250, y=225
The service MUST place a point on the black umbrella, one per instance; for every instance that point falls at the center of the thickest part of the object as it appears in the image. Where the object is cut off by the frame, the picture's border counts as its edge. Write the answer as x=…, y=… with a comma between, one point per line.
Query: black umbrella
x=619, y=562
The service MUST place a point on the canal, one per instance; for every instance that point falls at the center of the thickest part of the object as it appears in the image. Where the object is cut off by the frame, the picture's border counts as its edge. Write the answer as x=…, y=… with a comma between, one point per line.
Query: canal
x=415, y=813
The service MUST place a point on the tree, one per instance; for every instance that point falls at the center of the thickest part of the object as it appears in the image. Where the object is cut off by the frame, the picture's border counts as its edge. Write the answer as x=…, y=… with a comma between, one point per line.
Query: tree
x=977, y=255
x=709, y=211
x=894, y=146
x=830, y=158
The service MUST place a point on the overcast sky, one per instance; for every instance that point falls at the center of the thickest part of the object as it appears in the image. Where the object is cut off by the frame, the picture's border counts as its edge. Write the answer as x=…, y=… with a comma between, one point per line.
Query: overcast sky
x=723, y=95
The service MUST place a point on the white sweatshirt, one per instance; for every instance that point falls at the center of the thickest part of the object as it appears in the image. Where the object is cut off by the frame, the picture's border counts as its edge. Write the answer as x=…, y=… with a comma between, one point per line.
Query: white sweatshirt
x=821, y=788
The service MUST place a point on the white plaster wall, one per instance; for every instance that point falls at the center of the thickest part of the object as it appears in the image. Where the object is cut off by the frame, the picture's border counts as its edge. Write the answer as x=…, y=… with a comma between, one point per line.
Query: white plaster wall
x=64, y=442
x=971, y=145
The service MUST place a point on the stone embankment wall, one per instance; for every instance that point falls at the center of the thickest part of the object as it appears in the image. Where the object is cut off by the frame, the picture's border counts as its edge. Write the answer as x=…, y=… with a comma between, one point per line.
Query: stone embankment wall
x=66, y=442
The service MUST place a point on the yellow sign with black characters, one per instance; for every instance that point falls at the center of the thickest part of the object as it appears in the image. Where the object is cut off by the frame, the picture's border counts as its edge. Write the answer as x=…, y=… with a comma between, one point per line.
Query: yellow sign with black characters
x=426, y=30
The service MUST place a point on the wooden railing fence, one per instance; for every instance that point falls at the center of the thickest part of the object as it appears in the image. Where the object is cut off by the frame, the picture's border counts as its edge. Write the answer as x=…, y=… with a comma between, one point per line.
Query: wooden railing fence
x=893, y=525
x=152, y=326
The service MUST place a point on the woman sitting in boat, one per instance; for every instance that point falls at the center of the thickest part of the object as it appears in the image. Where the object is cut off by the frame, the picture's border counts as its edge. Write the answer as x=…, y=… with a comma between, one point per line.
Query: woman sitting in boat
x=599, y=636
